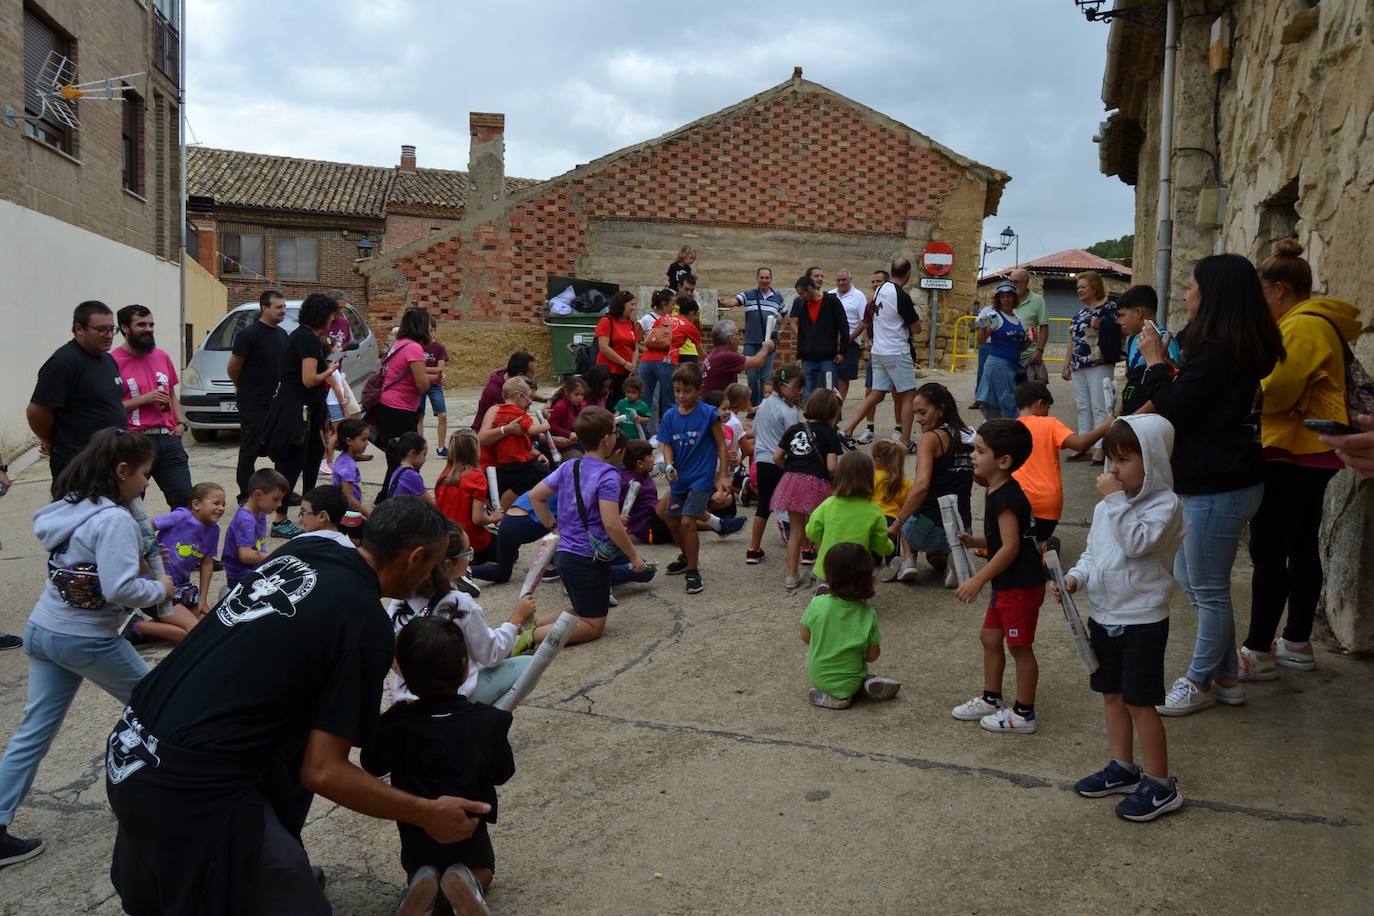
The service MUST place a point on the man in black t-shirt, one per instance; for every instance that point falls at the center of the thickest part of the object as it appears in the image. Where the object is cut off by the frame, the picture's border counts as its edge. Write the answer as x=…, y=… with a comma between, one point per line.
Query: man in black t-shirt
x=79, y=391
x=255, y=369
x=264, y=699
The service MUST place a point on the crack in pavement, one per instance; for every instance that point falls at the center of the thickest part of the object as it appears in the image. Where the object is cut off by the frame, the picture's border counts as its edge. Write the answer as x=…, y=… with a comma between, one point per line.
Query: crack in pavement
x=676, y=616
x=1019, y=780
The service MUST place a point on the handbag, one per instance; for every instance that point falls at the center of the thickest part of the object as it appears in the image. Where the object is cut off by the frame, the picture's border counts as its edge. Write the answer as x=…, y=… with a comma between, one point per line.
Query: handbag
x=661, y=336
x=601, y=551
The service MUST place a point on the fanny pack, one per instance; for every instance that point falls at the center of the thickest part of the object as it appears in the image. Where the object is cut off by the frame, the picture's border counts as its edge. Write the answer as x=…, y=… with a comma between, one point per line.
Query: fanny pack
x=78, y=584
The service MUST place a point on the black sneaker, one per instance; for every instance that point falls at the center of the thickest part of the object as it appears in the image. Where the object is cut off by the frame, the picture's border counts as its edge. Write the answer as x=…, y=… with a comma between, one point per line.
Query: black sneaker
x=10, y=641
x=808, y=556
x=13, y=850
x=694, y=582
x=678, y=566
x=468, y=586
x=848, y=442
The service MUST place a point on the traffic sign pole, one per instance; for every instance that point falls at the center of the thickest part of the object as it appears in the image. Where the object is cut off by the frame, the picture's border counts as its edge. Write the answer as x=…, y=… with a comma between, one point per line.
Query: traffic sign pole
x=934, y=323
x=937, y=260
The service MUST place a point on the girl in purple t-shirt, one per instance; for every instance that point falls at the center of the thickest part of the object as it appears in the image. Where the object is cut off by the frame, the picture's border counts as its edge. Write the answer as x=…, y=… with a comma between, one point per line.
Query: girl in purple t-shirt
x=410, y=451
x=189, y=538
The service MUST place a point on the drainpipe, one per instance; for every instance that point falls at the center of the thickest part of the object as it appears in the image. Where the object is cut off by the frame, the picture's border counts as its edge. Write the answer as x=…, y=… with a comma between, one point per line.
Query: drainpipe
x=181, y=150
x=1164, y=231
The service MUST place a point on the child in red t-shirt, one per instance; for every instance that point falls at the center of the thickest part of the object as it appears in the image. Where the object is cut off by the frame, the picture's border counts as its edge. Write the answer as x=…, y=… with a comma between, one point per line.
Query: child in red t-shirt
x=567, y=402
x=506, y=445
x=461, y=494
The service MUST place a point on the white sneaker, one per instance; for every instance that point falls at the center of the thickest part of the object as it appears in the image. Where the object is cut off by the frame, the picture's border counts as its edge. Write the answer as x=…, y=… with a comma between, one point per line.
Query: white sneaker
x=1253, y=666
x=951, y=577
x=1185, y=698
x=792, y=583
x=897, y=435
x=866, y=438
x=1007, y=721
x=326, y=469
x=908, y=571
x=975, y=709
x=1288, y=658
x=611, y=600
x=880, y=688
x=653, y=442
x=890, y=572
x=1231, y=696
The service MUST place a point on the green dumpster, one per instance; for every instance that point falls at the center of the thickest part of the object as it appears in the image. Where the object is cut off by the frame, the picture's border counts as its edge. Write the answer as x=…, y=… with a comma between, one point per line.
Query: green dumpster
x=567, y=331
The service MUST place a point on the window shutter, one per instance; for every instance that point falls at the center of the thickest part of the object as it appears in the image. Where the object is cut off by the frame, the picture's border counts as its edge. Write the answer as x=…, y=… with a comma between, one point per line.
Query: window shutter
x=39, y=40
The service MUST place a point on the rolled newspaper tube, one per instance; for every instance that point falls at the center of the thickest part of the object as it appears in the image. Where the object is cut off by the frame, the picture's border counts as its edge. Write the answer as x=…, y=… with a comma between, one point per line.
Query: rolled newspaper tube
x=829, y=379
x=493, y=491
x=548, y=436
x=151, y=554
x=548, y=648
x=954, y=526
x=631, y=494
x=1108, y=395
x=542, y=558
x=1081, y=642
x=770, y=324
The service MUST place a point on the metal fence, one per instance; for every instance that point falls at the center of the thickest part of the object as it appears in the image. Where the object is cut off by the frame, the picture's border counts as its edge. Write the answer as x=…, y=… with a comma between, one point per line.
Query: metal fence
x=966, y=341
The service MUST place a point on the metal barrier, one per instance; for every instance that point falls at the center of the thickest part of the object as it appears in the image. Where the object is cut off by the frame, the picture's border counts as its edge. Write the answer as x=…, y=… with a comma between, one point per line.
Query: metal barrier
x=966, y=341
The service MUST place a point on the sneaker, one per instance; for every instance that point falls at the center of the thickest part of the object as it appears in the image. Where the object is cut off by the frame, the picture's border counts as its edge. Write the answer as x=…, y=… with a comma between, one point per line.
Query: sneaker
x=976, y=405
x=551, y=572
x=753, y=557
x=975, y=709
x=821, y=588
x=678, y=566
x=463, y=891
x=908, y=571
x=891, y=570
x=1185, y=698
x=881, y=688
x=524, y=642
x=1007, y=721
x=1231, y=696
x=9, y=641
x=865, y=438
x=326, y=469
x=847, y=441
x=286, y=529
x=731, y=525
x=441, y=451
x=1113, y=779
x=612, y=600
x=1253, y=666
x=130, y=630
x=694, y=583
x=1288, y=658
x=1151, y=800
x=896, y=435
x=808, y=556
x=826, y=701
x=420, y=896
x=13, y=850
x=951, y=577
x=653, y=442
x=784, y=530
x=468, y=586
x=791, y=583
x=911, y=448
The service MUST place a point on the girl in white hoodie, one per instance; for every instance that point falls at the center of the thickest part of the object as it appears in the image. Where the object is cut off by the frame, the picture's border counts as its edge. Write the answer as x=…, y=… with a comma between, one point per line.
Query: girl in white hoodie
x=95, y=551
x=1127, y=570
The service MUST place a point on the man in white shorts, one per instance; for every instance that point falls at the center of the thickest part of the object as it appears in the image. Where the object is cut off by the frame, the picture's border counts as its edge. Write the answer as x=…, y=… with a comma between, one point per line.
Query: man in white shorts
x=892, y=322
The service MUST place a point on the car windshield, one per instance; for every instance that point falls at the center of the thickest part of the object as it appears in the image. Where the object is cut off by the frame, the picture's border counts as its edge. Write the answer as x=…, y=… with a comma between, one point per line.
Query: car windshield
x=223, y=336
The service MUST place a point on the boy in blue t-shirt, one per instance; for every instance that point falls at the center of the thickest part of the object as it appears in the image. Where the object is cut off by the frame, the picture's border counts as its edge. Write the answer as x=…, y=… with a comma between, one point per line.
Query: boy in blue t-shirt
x=1138, y=305
x=696, y=464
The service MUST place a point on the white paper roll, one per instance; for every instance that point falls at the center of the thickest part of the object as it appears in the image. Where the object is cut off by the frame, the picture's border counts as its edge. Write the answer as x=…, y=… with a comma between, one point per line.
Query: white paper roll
x=493, y=492
x=954, y=526
x=548, y=436
x=631, y=494
x=770, y=324
x=542, y=558
x=1081, y=642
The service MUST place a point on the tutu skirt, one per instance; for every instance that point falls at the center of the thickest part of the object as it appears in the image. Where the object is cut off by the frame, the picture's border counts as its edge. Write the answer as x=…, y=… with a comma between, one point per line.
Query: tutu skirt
x=798, y=492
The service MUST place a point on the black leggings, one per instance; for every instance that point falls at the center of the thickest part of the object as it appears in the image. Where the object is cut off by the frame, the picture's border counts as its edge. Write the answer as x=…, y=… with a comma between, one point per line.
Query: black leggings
x=391, y=423
x=1285, y=553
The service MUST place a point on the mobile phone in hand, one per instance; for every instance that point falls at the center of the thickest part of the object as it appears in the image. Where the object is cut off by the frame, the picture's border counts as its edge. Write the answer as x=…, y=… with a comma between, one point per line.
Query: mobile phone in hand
x=1330, y=427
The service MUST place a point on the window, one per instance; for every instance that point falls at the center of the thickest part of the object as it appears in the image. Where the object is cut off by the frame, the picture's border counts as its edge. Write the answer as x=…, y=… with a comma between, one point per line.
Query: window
x=297, y=258
x=40, y=39
x=240, y=254
x=356, y=325
x=166, y=40
x=132, y=136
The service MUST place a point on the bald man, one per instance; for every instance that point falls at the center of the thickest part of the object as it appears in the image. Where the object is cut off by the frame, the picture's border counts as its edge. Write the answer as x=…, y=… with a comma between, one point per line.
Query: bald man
x=1030, y=309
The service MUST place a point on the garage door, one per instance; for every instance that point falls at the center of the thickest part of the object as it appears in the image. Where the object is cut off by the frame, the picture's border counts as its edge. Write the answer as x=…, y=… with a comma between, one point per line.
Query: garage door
x=1061, y=300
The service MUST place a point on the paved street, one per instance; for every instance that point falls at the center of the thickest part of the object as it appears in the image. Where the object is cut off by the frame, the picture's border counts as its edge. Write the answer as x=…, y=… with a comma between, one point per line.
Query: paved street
x=675, y=766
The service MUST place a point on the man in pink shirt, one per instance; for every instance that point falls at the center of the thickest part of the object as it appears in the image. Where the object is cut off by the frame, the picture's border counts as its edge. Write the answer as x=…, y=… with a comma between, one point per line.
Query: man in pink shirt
x=149, y=379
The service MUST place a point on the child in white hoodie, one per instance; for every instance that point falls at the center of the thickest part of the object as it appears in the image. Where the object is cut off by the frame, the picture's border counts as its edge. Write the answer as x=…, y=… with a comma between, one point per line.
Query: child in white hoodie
x=1127, y=570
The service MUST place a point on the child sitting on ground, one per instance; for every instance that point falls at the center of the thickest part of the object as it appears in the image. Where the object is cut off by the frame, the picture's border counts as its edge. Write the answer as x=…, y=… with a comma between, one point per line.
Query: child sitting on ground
x=188, y=539
x=849, y=515
x=506, y=443
x=890, y=484
x=352, y=437
x=642, y=520
x=1040, y=476
x=462, y=494
x=442, y=745
x=598, y=379
x=1137, y=305
x=1017, y=577
x=247, y=531
x=564, y=407
x=807, y=453
x=632, y=406
x=840, y=630
x=1127, y=571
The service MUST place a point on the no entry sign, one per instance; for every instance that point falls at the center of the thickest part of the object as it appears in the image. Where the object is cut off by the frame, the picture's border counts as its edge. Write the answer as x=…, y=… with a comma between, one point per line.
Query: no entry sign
x=937, y=259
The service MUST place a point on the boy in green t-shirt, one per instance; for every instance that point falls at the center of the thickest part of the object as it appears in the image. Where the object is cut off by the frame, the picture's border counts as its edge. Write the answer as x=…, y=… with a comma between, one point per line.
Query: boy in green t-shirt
x=841, y=631
x=633, y=405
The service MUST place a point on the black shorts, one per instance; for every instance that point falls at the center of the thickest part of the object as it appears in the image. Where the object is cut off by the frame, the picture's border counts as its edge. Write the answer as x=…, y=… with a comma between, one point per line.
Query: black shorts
x=1042, y=528
x=588, y=583
x=1131, y=664
x=520, y=478
x=849, y=369
x=768, y=476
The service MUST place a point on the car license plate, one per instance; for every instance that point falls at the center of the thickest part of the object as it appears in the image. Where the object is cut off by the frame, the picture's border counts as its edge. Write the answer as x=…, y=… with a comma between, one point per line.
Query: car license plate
x=229, y=406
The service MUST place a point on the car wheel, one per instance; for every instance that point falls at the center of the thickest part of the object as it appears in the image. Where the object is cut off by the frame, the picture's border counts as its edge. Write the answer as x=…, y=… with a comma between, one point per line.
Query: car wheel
x=205, y=435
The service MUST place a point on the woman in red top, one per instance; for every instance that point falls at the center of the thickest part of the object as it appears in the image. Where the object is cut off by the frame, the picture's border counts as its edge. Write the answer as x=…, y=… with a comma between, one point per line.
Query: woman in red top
x=461, y=494
x=617, y=338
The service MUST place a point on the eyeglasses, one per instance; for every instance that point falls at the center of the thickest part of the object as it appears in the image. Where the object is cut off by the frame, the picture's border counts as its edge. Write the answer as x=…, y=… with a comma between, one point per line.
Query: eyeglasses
x=461, y=555
x=104, y=330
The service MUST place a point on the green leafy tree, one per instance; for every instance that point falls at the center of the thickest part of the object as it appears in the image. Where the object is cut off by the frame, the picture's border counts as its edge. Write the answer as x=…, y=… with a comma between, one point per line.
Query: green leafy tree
x=1120, y=250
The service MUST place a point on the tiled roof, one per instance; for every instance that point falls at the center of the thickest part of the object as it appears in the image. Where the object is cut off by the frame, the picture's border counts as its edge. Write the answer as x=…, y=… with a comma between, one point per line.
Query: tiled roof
x=258, y=181
x=1072, y=260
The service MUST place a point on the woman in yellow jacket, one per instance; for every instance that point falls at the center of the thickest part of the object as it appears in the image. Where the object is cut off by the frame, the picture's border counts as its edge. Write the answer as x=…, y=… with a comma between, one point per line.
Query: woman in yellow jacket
x=1309, y=384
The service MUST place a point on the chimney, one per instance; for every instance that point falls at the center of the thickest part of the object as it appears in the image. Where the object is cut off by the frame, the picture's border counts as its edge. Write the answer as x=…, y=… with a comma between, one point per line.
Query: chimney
x=796, y=76
x=407, y=157
x=486, y=163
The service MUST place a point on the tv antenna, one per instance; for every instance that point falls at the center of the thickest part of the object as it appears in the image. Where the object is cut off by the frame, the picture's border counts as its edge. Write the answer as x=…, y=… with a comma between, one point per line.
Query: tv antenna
x=57, y=90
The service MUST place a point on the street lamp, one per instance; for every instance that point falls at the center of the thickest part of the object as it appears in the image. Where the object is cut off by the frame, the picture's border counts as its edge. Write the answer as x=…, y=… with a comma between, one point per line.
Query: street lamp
x=364, y=247
x=1007, y=236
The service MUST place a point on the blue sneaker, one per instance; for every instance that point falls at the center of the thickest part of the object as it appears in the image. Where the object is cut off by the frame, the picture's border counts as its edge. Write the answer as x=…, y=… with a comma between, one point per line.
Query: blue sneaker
x=1150, y=800
x=731, y=525
x=1113, y=779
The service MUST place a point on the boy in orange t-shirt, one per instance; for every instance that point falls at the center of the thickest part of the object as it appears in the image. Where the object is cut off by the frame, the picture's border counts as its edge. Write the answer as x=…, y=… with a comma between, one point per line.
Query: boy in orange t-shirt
x=505, y=437
x=1039, y=477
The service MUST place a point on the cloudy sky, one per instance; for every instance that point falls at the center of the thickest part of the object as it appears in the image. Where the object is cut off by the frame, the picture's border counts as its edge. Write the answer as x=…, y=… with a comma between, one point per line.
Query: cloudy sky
x=1012, y=83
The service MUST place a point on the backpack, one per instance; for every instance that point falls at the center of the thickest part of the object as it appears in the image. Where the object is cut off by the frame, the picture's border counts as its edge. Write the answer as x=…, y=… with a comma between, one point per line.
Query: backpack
x=376, y=383
x=660, y=336
x=584, y=357
x=1359, y=386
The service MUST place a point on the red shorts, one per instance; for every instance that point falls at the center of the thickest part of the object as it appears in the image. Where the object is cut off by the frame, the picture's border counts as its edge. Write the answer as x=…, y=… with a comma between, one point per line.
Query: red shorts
x=1015, y=612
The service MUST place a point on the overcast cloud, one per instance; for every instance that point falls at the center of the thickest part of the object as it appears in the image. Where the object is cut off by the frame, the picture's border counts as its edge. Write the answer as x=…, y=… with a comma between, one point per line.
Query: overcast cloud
x=1011, y=83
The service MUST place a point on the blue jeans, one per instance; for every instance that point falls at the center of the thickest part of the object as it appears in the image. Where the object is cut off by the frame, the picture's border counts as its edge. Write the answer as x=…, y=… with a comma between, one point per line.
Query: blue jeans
x=57, y=666
x=757, y=377
x=1203, y=568
x=657, y=377
x=814, y=371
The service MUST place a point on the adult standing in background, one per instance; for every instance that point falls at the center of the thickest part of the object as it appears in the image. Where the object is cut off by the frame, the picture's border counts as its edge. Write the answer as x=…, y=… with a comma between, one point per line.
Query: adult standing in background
x=78, y=391
x=255, y=370
x=1232, y=343
x=893, y=321
x=436, y=358
x=822, y=333
x=655, y=368
x=520, y=363
x=339, y=329
x=1034, y=316
x=7, y=640
x=855, y=304
x=761, y=303
x=405, y=377
x=724, y=363
x=617, y=339
x=149, y=379
x=1085, y=363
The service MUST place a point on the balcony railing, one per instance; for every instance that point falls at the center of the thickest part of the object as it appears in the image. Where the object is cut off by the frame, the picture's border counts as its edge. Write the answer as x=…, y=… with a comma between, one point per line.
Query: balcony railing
x=166, y=47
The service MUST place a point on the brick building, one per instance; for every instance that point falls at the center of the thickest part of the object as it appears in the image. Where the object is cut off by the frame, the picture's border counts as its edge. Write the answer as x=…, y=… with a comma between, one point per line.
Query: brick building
x=1055, y=276
x=793, y=176
x=92, y=211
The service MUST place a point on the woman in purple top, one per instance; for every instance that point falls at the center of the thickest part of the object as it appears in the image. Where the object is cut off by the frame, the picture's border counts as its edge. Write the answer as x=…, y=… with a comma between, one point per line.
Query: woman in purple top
x=589, y=526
